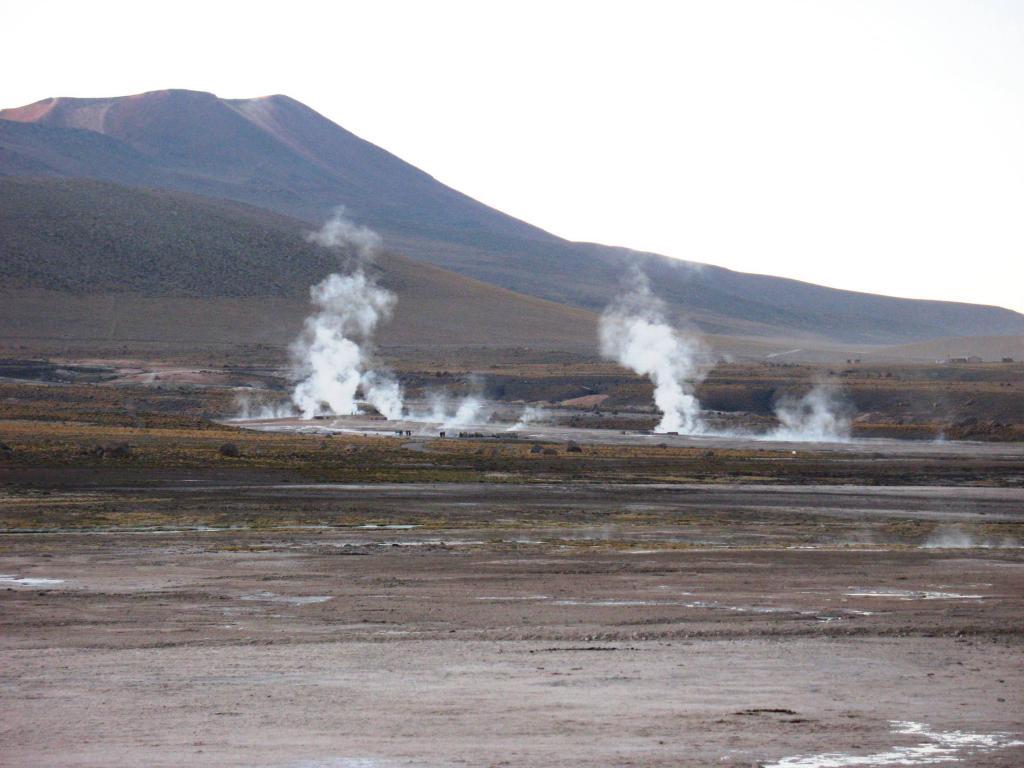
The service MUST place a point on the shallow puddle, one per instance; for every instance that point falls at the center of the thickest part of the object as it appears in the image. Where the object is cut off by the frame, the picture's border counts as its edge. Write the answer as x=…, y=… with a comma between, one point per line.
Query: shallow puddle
x=405, y=543
x=619, y=602
x=512, y=598
x=937, y=747
x=28, y=582
x=911, y=594
x=342, y=762
x=273, y=597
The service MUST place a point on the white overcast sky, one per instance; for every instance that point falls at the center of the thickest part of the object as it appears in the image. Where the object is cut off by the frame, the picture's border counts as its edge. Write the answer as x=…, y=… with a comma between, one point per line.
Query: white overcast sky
x=877, y=146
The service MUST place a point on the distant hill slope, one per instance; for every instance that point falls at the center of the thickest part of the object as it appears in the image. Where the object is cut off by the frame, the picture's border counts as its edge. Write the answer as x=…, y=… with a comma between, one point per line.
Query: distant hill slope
x=85, y=260
x=276, y=153
x=988, y=348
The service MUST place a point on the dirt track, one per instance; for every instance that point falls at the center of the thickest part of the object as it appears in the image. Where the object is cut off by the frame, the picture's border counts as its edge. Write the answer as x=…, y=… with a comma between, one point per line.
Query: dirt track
x=542, y=625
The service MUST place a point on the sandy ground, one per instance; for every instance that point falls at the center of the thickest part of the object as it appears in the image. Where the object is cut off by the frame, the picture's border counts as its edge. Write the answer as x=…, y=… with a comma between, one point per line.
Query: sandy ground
x=539, y=626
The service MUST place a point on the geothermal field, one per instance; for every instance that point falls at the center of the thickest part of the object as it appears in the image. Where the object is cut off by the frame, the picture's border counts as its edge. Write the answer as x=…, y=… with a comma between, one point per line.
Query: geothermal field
x=647, y=556
x=282, y=490
x=346, y=597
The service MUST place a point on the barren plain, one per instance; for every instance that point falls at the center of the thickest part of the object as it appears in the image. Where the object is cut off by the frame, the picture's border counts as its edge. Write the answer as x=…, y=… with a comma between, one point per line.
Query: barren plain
x=365, y=599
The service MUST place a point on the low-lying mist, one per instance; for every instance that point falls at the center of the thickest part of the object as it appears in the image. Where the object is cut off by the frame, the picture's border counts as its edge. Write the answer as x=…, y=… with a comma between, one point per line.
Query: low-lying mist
x=955, y=537
x=447, y=412
x=821, y=415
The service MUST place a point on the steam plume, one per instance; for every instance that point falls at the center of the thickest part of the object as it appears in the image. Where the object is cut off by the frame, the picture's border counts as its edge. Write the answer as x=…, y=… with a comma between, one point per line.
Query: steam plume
x=450, y=414
x=384, y=393
x=340, y=232
x=470, y=410
x=634, y=332
x=332, y=358
x=954, y=537
x=531, y=414
x=249, y=405
x=819, y=415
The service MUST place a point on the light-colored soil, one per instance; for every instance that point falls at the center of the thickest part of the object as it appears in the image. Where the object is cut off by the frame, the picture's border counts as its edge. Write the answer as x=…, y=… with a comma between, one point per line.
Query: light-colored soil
x=463, y=625
x=437, y=703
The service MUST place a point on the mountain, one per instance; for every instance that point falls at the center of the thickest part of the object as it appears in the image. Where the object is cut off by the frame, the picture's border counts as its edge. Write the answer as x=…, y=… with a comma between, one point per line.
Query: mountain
x=278, y=154
x=272, y=152
x=92, y=263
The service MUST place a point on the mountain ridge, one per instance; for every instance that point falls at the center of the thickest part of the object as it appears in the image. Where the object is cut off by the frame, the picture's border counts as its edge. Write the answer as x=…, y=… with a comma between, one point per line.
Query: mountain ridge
x=277, y=153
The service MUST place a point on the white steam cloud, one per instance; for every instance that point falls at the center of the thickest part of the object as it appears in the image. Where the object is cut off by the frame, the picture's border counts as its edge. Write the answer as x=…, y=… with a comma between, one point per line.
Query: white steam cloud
x=531, y=414
x=634, y=333
x=341, y=232
x=451, y=413
x=333, y=356
x=818, y=416
x=954, y=537
x=249, y=406
x=384, y=393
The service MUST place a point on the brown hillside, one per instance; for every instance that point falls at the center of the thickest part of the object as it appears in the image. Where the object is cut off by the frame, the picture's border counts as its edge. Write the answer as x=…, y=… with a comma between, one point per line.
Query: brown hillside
x=92, y=263
x=278, y=154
